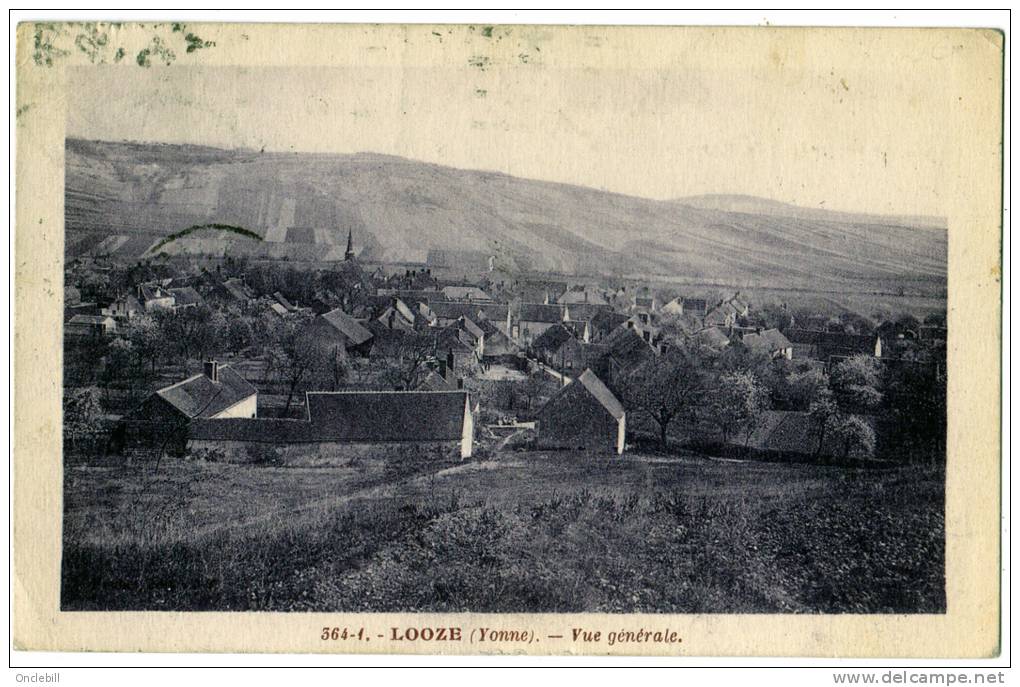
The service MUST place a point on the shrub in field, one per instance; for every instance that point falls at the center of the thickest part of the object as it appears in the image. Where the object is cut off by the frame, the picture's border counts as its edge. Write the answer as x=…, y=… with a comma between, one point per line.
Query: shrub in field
x=263, y=454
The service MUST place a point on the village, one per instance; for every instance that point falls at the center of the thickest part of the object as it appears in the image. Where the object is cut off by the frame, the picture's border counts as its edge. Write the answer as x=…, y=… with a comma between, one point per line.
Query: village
x=244, y=361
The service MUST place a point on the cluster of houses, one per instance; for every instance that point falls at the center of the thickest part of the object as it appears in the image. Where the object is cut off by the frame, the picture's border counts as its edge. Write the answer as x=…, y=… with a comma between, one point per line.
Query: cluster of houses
x=583, y=335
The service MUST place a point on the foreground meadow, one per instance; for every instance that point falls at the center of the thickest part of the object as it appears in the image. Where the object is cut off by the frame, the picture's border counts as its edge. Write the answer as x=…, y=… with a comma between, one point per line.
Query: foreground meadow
x=519, y=531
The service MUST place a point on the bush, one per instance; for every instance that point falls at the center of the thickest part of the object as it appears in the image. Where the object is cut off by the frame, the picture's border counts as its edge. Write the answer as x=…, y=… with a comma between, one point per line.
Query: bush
x=264, y=454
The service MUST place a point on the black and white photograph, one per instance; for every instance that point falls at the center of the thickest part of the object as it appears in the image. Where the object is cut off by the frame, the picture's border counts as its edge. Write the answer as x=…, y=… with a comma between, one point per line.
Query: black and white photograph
x=303, y=379
x=626, y=323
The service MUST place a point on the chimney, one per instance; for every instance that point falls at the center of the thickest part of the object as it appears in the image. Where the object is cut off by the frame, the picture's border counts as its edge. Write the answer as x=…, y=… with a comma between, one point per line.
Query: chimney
x=442, y=369
x=212, y=370
x=460, y=382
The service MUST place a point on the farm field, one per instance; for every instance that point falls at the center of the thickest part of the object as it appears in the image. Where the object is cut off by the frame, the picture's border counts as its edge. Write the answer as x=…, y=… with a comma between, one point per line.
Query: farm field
x=523, y=531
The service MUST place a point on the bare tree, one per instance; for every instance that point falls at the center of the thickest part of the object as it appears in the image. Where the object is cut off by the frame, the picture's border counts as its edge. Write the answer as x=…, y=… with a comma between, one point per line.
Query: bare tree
x=665, y=388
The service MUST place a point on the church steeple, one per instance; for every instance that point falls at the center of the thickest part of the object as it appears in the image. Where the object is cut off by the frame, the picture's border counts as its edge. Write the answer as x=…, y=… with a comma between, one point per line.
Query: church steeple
x=349, y=255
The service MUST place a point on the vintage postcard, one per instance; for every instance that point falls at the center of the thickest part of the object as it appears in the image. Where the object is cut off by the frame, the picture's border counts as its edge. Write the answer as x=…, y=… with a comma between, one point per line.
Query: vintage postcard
x=508, y=339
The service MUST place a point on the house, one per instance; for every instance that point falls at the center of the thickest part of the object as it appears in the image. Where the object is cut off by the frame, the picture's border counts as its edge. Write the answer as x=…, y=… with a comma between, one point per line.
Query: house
x=605, y=322
x=231, y=290
x=465, y=293
x=581, y=295
x=536, y=291
x=740, y=305
x=713, y=338
x=448, y=312
x=218, y=391
x=345, y=423
x=535, y=318
x=398, y=416
x=560, y=348
x=440, y=379
x=722, y=315
x=476, y=334
x=155, y=297
x=583, y=415
x=336, y=326
x=185, y=297
x=124, y=308
x=497, y=343
x=694, y=306
x=771, y=342
x=398, y=315
x=619, y=353
x=644, y=302
x=822, y=345
x=86, y=326
x=457, y=347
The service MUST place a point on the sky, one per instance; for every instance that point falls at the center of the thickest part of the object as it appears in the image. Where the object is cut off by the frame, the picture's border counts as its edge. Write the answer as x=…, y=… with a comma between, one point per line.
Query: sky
x=821, y=123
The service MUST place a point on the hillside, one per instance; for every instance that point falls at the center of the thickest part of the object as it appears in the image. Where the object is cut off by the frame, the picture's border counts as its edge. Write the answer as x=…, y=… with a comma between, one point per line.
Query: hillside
x=120, y=198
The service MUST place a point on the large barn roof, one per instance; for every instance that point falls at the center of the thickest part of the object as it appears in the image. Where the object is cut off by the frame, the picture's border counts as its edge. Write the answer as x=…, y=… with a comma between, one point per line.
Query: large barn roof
x=387, y=415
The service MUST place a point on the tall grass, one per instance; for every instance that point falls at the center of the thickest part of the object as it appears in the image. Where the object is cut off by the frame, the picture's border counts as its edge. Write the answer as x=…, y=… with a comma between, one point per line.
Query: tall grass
x=872, y=542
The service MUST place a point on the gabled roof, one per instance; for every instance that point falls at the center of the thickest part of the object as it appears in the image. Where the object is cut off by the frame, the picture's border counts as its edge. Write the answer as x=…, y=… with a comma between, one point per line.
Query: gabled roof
x=552, y=338
x=834, y=342
x=581, y=296
x=91, y=319
x=199, y=396
x=594, y=386
x=186, y=295
x=770, y=339
x=436, y=382
x=607, y=320
x=451, y=310
x=627, y=347
x=278, y=309
x=388, y=415
x=471, y=293
x=538, y=312
x=713, y=337
x=471, y=328
x=129, y=303
x=283, y=301
x=454, y=338
x=150, y=292
x=586, y=311
x=347, y=325
x=237, y=289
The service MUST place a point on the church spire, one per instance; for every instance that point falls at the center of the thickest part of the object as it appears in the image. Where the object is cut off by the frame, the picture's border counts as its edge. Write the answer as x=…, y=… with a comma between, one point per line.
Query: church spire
x=349, y=255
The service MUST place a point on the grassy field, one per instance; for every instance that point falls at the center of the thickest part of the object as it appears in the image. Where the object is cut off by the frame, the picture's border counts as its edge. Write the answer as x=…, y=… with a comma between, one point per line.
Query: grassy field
x=518, y=531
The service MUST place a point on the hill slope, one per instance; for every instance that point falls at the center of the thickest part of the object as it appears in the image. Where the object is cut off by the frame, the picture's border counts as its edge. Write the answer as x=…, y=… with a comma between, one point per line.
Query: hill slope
x=120, y=198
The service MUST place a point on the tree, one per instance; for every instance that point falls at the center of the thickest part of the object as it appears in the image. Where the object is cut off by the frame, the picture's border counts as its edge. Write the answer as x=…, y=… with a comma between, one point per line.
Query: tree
x=237, y=333
x=804, y=387
x=855, y=384
x=121, y=362
x=192, y=331
x=739, y=401
x=293, y=355
x=148, y=341
x=853, y=433
x=333, y=365
x=823, y=412
x=83, y=414
x=665, y=388
x=408, y=354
